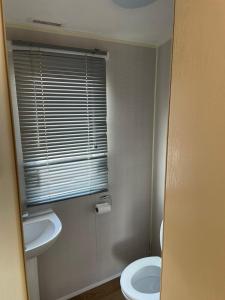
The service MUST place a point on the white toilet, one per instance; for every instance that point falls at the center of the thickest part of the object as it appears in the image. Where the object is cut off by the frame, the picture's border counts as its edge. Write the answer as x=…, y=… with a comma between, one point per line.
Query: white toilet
x=141, y=279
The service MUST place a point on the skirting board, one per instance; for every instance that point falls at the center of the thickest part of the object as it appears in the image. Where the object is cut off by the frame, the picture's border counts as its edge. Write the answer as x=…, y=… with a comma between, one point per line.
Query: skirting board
x=89, y=287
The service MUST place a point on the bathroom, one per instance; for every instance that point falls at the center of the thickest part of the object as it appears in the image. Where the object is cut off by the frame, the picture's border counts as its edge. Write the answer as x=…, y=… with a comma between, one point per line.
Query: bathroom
x=134, y=40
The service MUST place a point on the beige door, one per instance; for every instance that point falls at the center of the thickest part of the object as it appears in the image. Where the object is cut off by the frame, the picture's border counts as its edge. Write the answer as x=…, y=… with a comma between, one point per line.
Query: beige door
x=12, y=275
x=194, y=237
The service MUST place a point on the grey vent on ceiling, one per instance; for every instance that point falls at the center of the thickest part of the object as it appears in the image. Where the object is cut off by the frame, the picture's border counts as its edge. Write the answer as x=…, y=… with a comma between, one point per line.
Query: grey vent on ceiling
x=36, y=21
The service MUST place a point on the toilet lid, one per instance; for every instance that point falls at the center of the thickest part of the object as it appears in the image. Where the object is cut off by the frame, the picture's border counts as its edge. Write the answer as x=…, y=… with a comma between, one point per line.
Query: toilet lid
x=132, y=271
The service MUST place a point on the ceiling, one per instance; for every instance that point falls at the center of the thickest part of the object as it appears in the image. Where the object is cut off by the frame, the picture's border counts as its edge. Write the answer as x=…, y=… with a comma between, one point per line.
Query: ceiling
x=150, y=25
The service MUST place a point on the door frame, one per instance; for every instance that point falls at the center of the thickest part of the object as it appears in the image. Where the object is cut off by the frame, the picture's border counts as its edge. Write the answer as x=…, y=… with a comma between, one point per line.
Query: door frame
x=12, y=261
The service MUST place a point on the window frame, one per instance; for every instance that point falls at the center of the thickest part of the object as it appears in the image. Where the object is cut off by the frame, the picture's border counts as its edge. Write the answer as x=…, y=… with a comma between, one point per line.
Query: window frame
x=15, y=112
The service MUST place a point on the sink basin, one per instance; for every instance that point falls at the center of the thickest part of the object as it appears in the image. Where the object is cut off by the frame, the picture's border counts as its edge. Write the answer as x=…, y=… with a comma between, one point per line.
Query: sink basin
x=40, y=232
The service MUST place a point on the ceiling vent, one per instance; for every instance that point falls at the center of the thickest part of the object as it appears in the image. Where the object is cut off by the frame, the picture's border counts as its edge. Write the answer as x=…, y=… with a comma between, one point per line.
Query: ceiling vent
x=42, y=22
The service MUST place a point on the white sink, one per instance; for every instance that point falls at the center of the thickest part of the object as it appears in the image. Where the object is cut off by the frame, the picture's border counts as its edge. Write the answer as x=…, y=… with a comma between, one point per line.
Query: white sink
x=40, y=232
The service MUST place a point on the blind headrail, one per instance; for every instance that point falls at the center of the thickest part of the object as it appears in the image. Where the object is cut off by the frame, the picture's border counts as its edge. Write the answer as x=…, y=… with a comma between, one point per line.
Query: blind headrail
x=34, y=47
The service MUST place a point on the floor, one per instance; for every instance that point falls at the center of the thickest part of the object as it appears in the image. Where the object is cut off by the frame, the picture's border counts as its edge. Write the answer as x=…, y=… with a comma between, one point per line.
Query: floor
x=107, y=291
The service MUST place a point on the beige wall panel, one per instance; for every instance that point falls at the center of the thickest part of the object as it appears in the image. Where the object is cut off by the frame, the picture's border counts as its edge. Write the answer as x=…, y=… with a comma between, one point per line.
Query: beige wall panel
x=194, y=239
x=12, y=279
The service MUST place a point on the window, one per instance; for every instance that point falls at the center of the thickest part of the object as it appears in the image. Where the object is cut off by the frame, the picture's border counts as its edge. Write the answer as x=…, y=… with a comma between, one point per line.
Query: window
x=61, y=98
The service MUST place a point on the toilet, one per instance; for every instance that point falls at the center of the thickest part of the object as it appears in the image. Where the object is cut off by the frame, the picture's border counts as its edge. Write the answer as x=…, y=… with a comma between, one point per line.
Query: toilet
x=141, y=279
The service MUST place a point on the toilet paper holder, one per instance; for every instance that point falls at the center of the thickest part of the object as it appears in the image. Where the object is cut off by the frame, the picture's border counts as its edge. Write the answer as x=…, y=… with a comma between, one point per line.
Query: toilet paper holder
x=104, y=205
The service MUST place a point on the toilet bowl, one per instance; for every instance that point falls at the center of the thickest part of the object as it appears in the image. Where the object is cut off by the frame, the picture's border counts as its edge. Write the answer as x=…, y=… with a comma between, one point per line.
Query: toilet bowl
x=141, y=279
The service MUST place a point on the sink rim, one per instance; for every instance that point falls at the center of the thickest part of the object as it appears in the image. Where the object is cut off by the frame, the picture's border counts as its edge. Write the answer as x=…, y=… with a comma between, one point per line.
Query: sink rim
x=39, y=243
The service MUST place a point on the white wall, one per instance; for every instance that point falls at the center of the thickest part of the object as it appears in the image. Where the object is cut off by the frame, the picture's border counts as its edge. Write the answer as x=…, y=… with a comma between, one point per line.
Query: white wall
x=160, y=142
x=92, y=248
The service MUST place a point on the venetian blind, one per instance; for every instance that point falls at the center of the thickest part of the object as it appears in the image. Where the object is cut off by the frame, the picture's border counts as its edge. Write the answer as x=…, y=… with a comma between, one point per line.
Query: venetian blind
x=62, y=114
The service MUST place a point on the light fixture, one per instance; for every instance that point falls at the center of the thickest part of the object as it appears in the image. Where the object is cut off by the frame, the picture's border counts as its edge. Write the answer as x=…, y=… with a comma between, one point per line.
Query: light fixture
x=133, y=3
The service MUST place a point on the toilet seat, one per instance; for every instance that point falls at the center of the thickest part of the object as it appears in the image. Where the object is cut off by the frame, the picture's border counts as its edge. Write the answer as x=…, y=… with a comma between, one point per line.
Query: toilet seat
x=133, y=278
